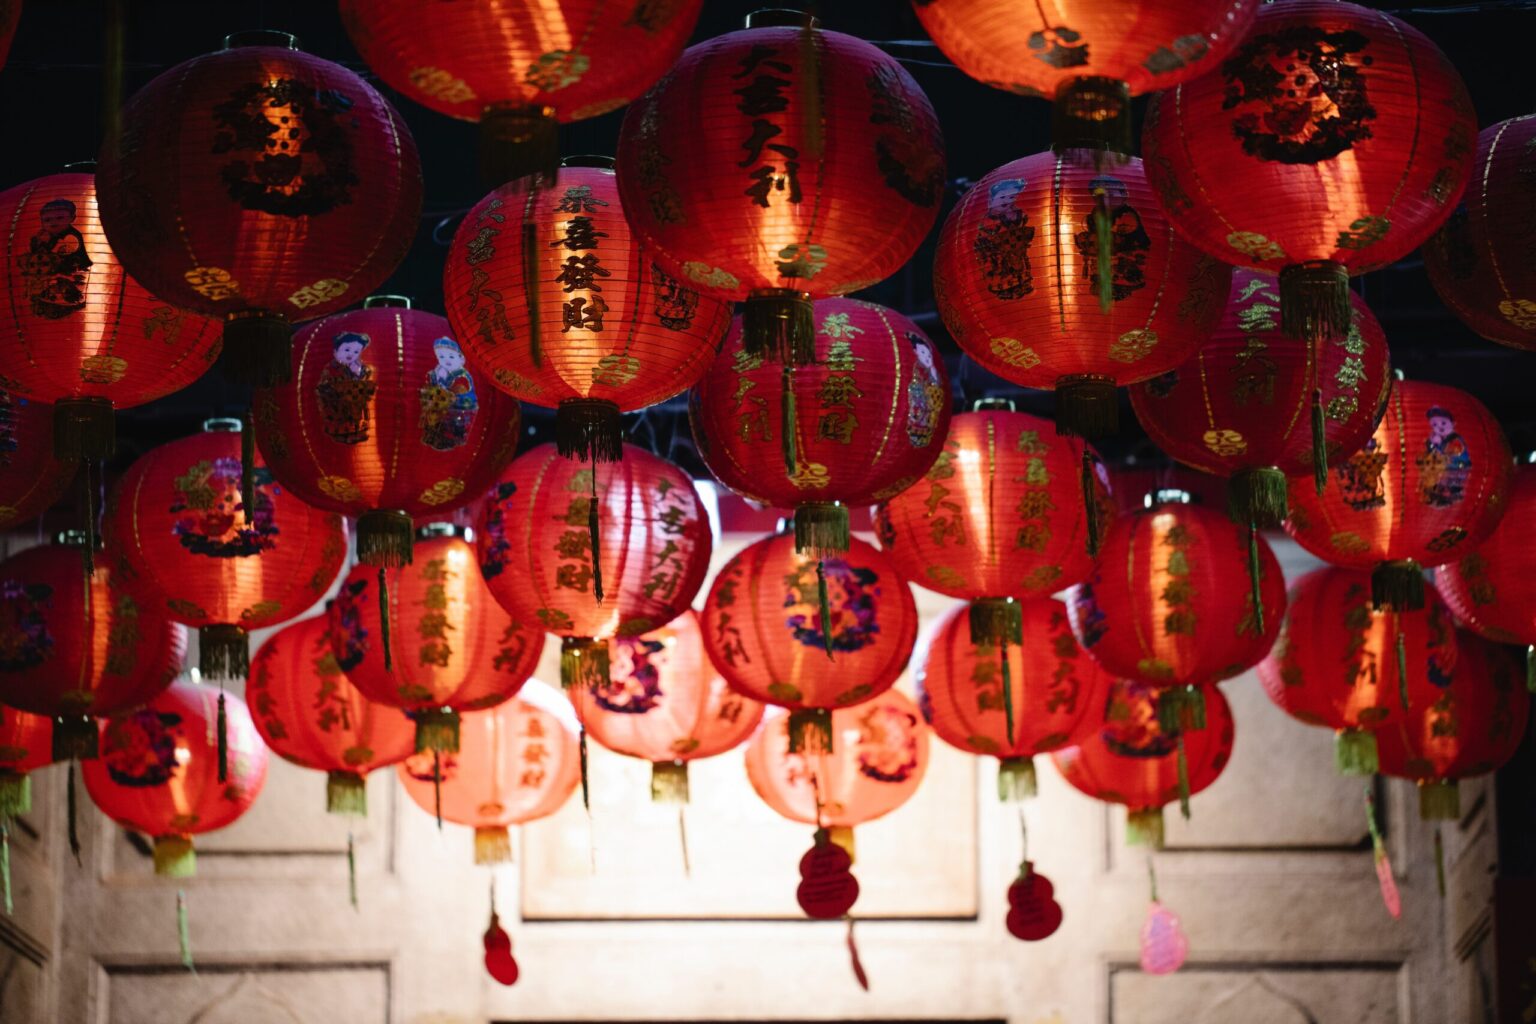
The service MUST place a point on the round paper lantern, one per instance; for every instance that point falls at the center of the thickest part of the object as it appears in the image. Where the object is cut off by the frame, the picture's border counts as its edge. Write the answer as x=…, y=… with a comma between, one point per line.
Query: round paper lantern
x=808, y=635
x=1169, y=604
x=1090, y=59
x=863, y=423
x=515, y=763
x=1492, y=589
x=999, y=517
x=1056, y=273
x=1430, y=485
x=73, y=648
x=260, y=185
x=31, y=476
x=1249, y=404
x=1321, y=99
x=665, y=703
x=429, y=639
x=158, y=770
x=1478, y=261
x=1132, y=760
x=1338, y=663
x=779, y=164
x=76, y=330
x=566, y=307
x=555, y=531
x=26, y=744
x=1473, y=727
x=384, y=432
x=309, y=713
x=180, y=536
x=520, y=68
x=1027, y=699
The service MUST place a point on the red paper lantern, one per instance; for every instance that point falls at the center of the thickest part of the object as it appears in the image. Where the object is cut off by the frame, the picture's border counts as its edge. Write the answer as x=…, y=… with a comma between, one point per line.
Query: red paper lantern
x=1477, y=261
x=73, y=648
x=777, y=639
x=569, y=310
x=1056, y=273
x=520, y=68
x=516, y=763
x=158, y=770
x=77, y=330
x=1169, y=604
x=863, y=423
x=779, y=164
x=260, y=185
x=1090, y=59
x=1336, y=662
x=1032, y=698
x=1239, y=407
x=1133, y=760
x=10, y=16
x=182, y=538
x=1473, y=727
x=556, y=530
x=665, y=703
x=1492, y=589
x=1333, y=141
x=309, y=713
x=1430, y=485
x=386, y=431
x=444, y=646
x=26, y=744
x=31, y=476
x=999, y=516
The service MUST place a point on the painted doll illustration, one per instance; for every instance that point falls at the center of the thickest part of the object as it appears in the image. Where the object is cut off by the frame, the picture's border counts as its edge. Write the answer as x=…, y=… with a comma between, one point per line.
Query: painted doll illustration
x=1360, y=479
x=448, y=401
x=211, y=518
x=925, y=395
x=1129, y=241
x=1445, y=464
x=56, y=265
x=346, y=389
x=887, y=743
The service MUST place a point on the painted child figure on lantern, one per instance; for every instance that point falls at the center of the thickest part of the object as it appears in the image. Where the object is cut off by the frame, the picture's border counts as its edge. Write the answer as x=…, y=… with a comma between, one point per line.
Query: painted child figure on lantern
x=57, y=265
x=448, y=401
x=346, y=389
x=207, y=500
x=1445, y=464
x=1129, y=241
x=925, y=393
x=1360, y=479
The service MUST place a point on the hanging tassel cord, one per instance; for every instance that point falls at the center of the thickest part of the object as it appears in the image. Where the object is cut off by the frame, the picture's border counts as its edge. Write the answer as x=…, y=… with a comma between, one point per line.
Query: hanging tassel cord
x=1530, y=668
x=384, y=644
x=184, y=931
x=248, y=465
x=1255, y=590
x=1007, y=674
x=592, y=534
x=73, y=808
x=437, y=787
x=223, y=737
x=859, y=974
x=586, y=793
x=1090, y=502
x=1402, y=662
x=788, y=422
x=351, y=871
x=5, y=865
x=682, y=839
x=1319, y=444
x=1439, y=863
x=825, y=606
x=1183, y=778
x=531, y=280
x=88, y=552
x=1151, y=878
x=1104, y=235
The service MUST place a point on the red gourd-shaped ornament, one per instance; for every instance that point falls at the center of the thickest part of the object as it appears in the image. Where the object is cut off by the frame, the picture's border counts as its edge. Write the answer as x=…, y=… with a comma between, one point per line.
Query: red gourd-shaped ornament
x=818, y=172
x=1012, y=702
x=31, y=476
x=596, y=551
x=806, y=634
x=383, y=421
x=429, y=639
x=1059, y=274
x=1089, y=59
x=73, y=649
x=1477, y=261
x=499, y=962
x=827, y=889
x=518, y=68
x=1033, y=913
x=1430, y=485
x=1338, y=663
x=261, y=185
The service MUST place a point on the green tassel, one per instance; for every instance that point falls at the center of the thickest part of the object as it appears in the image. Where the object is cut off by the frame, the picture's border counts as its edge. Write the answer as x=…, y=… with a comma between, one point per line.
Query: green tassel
x=1090, y=502
x=1007, y=671
x=184, y=931
x=810, y=731
x=1355, y=752
x=583, y=662
x=248, y=467
x=437, y=729
x=384, y=645
x=821, y=528
x=1402, y=664
x=1255, y=591
x=1439, y=800
x=1439, y=863
x=1183, y=779
x=1181, y=709
x=586, y=794
x=1016, y=779
x=531, y=280
x=779, y=324
x=825, y=603
x=1103, y=232
x=15, y=794
x=5, y=866
x=73, y=809
x=593, y=535
x=223, y=738
x=351, y=871
x=788, y=423
x=1319, y=444
x=1144, y=827
x=346, y=793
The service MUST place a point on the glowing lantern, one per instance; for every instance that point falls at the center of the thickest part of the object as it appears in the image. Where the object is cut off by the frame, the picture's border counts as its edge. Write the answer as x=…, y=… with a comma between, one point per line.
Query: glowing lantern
x=26, y=744
x=1492, y=589
x=31, y=476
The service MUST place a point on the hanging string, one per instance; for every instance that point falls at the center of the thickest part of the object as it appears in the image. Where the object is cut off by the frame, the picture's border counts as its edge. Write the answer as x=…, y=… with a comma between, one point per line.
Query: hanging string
x=351, y=871
x=1023, y=836
x=5, y=865
x=223, y=737
x=184, y=931
x=1439, y=863
x=248, y=465
x=88, y=554
x=72, y=802
x=1090, y=502
x=826, y=607
x=1007, y=673
x=1319, y=444
x=437, y=787
x=586, y=795
x=788, y=424
x=531, y=278
x=1152, y=878
x=1255, y=592
x=1183, y=778
x=389, y=665
x=592, y=534
x=682, y=838
x=1402, y=661
x=1530, y=668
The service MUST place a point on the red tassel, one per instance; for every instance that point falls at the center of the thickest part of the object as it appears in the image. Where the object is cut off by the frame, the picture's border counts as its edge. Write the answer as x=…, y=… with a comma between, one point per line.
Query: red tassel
x=854, y=961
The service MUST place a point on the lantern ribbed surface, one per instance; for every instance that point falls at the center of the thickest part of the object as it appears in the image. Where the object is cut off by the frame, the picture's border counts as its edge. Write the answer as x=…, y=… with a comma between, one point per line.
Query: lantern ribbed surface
x=75, y=645
x=76, y=327
x=1479, y=261
x=31, y=476
x=1000, y=513
x=260, y=182
x=1492, y=588
x=26, y=744
x=763, y=631
x=782, y=157
x=383, y=414
x=1052, y=271
x=879, y=756
x=555, y=299
x=1170, y=602
x=1428, y=487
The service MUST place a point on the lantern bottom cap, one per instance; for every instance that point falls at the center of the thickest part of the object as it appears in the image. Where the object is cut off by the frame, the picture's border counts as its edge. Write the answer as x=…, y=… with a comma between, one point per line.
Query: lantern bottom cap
x=996, y=619
x=346, y=793
x=1092, y=112
x=75, y=738
x=821, y=528
x=84, y=428
x=437, y=729
x=1439, y=800
x=589, y=429
x=1016, y=779
x=669, y=782
x=385, y=537
x=223, y=651
x=1144, y=827
x=1258, y=497
x=1314, y=301
x=493, y=845
x=1398, y=586
x=1354, y=752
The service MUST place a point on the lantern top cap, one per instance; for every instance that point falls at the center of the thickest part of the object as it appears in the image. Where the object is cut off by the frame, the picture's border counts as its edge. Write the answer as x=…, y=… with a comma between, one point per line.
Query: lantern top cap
x=782, y=17
x=222, y=425
x=589, y=160
x=71, y=538
x=1168, y=496
x=431, y=530
x=993, y=404
x=81, y=166
x=389, y=301
x=261, y=37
